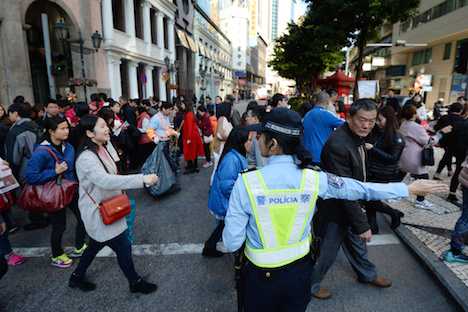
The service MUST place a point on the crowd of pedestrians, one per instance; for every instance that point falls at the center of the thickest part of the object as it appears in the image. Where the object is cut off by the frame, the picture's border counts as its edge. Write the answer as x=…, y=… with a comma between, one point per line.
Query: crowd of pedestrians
x=325, y=163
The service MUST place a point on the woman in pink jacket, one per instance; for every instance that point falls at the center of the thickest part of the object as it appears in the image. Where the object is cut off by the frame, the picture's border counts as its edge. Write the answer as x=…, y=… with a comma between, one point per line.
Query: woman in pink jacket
x=416, y=138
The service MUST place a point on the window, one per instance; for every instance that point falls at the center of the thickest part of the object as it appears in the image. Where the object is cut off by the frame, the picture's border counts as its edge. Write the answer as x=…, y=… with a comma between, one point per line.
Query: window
x=118, y=14
x=427, y=56
x=138, y=19
x=416, y=58
x=457, y=51
x=448, y=50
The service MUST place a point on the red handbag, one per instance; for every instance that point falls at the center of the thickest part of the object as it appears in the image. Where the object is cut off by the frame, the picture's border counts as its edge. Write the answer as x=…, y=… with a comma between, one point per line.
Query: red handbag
x=5, y=201
x=113, y=209
x=51, y=196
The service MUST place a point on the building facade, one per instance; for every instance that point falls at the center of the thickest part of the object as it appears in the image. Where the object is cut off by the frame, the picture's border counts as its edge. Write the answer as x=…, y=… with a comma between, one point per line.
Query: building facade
x=443, y=26
x=214, y=58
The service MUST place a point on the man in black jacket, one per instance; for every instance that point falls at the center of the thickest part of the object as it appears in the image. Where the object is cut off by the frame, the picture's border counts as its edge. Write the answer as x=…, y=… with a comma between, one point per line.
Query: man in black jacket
x=343, y=223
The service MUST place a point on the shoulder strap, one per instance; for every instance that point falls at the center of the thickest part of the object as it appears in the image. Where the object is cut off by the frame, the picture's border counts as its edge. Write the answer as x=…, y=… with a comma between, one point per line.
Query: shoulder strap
x=50, y=152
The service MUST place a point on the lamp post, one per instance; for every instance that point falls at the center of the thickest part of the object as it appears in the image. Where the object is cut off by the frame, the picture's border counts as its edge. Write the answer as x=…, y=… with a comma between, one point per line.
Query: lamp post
x=171, y=67
x=62, y=33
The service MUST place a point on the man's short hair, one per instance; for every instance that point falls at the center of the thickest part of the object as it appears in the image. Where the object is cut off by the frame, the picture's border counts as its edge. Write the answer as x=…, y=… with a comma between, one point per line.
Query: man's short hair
x=166, y=105
x=455, y=108
x=322, y=97
x=201, y=108
x=230, y=98
x=49, y=101
x=393, y=90
x=276, y=98
x=207, y=97
x=145, y=103
x=19, y=99
x=23, y=110
x=332, y=91
x=124, y=98
x=461, y=98
x=259, y=112
x=365, y=104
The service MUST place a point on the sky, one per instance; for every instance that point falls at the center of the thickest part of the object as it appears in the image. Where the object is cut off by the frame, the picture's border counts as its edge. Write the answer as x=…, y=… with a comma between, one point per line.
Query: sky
x=300, y=9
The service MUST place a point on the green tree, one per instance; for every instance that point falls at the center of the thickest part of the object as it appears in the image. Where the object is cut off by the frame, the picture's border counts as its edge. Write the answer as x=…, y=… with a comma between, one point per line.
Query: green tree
x=356, y=22
x=302, y=56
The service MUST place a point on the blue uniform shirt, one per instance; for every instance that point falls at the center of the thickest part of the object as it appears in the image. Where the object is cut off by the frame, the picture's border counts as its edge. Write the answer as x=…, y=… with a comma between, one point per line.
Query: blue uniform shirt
x=163, y=133
x=282, y=173
x=318, y=126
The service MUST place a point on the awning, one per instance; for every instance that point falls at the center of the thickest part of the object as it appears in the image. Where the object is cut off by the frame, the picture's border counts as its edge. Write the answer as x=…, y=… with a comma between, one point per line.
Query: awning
x=182, y=39
x=201, y=48
x=191, y=42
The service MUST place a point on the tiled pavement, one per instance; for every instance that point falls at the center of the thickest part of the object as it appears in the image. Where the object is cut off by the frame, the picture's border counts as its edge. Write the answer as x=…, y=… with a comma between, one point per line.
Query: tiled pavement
x=434, y=228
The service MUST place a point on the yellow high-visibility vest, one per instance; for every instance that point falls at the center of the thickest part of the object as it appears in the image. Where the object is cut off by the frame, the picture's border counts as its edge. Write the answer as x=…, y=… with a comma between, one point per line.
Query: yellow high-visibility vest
x=281, y=216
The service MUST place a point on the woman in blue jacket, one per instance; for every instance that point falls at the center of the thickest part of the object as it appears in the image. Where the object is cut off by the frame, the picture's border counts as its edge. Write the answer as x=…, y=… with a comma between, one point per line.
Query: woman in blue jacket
x=231, y=164
x=43, y=168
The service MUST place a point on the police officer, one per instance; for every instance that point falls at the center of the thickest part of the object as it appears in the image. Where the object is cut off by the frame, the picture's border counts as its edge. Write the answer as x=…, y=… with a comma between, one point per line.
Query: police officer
x=271, y=209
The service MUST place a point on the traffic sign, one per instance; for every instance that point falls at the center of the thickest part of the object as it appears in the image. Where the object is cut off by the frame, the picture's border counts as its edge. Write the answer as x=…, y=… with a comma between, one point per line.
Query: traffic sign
x=143, y=79
x=240, y=74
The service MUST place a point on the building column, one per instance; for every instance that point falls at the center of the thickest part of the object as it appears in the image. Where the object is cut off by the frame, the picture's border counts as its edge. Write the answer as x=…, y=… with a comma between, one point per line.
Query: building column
x=162, y=86
x=114, y=76
x=160, y=31
x=107, y=23
x=130, y=23
x=149, y=81
x=133, y=79
x=170, y=35
x=147, y=26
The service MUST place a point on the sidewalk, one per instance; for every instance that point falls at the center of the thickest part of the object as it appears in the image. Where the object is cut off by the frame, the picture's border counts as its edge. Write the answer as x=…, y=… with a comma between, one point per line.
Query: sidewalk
x=428, y=234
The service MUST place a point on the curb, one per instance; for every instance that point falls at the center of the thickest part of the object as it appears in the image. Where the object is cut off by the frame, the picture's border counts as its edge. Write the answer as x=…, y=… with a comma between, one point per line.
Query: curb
x=448, y=280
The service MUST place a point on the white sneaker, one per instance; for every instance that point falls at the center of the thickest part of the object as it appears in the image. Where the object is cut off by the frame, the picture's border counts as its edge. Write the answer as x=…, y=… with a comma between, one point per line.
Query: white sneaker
x=423, y=204
x=207, y=164
x=396, y=200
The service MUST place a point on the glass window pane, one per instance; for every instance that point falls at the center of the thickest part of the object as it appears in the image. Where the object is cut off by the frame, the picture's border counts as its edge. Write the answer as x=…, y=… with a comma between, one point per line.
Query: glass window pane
x=448, y=50
x=415, y=58
x=428, y=56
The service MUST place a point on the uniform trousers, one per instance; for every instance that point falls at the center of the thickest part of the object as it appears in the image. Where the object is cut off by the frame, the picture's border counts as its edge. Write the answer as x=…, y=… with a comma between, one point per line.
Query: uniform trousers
x=333, y=237
x=288, y=292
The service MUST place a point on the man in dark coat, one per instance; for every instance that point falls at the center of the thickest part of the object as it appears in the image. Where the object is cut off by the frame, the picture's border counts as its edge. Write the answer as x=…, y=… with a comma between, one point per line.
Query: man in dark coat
x=342, y=223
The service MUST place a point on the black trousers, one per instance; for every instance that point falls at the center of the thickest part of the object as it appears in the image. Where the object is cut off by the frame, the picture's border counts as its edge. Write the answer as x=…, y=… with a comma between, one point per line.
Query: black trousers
x=206, y=147
x=460, y=157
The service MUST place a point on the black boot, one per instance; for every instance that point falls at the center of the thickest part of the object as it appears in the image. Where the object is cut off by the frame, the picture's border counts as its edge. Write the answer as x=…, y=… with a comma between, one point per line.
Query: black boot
x=396, y=218
x=143, y=287
x=211, y=252
x=81, y=282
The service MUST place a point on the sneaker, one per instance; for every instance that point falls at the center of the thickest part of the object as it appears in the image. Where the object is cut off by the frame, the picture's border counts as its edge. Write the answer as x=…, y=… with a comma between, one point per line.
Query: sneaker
x=15, y=259
x=76, y=253
x=396, y=200
x=437, y=176
x=62, y=261
x=450, y=173
x=207, y=164
x=424, y=204
x=450, y=257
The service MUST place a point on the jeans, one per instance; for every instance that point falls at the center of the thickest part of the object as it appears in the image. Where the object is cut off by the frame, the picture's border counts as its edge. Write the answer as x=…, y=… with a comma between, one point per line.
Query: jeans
x=59, y=224
x=122, y=247
x=7, y=216
x=460, y=234
x=216, y=235
x=5, y=246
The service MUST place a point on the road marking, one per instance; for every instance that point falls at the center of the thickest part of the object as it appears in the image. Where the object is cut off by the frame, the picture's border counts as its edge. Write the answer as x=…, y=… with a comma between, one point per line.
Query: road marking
x=171, y=249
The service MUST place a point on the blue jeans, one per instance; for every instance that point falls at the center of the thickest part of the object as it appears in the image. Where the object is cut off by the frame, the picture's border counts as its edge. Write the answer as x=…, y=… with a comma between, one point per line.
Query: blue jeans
x=122, y=247
x=460, y=234
x=5, y=246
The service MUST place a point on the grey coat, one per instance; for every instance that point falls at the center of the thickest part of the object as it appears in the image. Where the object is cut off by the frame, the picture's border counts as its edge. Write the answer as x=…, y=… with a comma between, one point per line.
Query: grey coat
x=102, y=186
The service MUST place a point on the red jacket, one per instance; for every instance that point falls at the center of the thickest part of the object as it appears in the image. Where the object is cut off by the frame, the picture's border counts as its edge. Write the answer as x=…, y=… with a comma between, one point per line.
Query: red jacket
x=191, y=133
x=205, y=125
x=143, y=137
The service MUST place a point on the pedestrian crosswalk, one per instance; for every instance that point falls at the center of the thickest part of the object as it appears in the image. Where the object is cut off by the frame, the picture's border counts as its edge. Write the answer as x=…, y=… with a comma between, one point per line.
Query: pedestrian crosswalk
x=172, y=248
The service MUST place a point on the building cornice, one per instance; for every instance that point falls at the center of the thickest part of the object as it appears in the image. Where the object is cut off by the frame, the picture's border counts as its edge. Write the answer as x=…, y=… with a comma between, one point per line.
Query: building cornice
x=168, y=5
x=208, y=19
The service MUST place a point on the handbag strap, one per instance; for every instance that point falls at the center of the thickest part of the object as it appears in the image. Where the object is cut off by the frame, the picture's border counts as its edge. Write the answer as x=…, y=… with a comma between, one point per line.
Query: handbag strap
x=51, y=152
x=90, y=196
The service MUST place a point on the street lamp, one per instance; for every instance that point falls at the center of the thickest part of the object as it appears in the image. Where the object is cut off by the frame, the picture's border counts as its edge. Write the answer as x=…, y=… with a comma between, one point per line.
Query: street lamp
x=62, y=33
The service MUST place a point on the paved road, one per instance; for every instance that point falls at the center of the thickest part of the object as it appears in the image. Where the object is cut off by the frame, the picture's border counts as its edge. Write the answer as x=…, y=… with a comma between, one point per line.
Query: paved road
x=169, y=234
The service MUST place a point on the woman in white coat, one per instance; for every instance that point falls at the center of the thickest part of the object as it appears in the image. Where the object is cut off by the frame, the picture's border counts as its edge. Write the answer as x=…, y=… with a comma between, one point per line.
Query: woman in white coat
x=97, y=174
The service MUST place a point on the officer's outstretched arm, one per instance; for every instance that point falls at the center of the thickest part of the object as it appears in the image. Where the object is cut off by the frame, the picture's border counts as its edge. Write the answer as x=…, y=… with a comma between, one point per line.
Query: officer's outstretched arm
x=426, y=187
